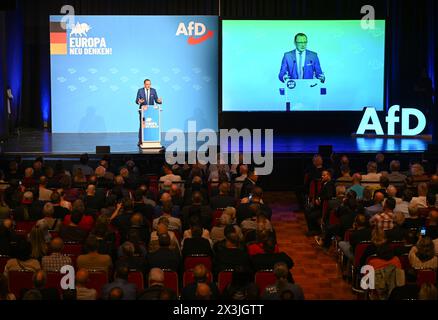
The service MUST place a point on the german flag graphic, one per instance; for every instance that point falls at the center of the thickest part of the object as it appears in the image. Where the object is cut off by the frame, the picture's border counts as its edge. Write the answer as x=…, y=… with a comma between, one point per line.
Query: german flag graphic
x=58, y=38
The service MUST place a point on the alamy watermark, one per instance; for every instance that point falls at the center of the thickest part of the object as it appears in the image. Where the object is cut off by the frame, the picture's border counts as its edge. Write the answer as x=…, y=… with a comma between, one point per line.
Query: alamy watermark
x=202, y=147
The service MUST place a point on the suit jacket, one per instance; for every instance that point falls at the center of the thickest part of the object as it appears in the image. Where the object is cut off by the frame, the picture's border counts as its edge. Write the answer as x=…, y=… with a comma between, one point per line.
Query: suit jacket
x=227, y=258
x=328, y=191
x=312, y=68
x=153, y=96
x=196, y=246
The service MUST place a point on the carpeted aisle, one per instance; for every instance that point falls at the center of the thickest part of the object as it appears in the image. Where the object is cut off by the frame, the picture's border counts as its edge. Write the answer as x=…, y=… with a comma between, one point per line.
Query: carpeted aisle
x=314, y=270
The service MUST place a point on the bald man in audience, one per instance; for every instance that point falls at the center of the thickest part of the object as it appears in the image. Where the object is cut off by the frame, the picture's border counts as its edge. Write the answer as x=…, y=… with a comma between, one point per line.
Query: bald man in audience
x=200, y=273
x=82, y=292
x=56, y=260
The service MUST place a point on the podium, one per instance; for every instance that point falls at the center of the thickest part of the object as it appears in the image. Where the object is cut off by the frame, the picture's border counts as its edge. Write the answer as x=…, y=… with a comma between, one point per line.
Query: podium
x=302, y=94
x=150, y=129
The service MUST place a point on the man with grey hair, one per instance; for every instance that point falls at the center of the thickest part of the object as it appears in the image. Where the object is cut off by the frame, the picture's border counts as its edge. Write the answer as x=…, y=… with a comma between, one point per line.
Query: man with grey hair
x=395, y=177
x=128, y=256
x=372, y=178
x=420, y=201
x=43, y=193
x=275, y=291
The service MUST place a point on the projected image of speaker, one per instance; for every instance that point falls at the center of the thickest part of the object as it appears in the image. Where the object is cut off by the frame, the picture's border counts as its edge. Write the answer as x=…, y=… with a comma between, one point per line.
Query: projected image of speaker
x=103, y=149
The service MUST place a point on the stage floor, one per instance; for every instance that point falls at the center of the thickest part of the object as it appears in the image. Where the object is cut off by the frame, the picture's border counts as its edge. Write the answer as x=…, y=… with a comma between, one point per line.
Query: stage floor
x=30, y=142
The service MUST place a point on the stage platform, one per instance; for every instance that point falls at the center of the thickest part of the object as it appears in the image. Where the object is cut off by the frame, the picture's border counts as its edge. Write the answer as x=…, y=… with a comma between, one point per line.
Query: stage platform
x=45, y=143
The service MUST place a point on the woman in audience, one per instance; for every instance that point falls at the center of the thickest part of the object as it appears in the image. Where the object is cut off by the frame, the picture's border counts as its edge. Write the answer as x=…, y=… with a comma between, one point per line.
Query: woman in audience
x=422, y=256
x=38, y=242
x=52, y=223
x=79, y=179
x=384, y=257
x=22, y=259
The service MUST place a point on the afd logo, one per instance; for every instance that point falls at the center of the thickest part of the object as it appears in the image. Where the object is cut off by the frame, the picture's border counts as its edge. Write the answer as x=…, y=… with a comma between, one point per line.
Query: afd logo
x=197, y=29
x=80, y=29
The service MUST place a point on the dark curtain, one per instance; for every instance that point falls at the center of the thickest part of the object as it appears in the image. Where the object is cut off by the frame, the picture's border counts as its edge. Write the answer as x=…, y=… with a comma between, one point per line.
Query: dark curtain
x=411, y=36
x=3, y=111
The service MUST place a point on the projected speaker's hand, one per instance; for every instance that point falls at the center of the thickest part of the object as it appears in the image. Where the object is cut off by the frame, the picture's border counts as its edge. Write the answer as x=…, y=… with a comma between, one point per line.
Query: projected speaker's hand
x=321, y=77
x=159, y=100
x=140, y=101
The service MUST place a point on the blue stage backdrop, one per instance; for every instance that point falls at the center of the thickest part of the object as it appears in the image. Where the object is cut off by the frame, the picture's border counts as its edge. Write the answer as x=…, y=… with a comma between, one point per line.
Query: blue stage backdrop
x=99, y=63
x=350, y=57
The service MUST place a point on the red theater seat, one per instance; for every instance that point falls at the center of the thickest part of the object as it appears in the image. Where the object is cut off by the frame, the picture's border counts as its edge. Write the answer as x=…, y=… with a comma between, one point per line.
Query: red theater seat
x=224, y=279
x=97, y=279
x=191, y=261
x=171, y=281
x=189, y=278
x=136, y=277
x=263, y=279
x=19, y=280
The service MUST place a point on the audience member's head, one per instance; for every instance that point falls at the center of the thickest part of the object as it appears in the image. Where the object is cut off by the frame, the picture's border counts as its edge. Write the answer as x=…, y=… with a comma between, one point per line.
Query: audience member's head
x=425, y=249
x=82, y=277
x=156, y=277
x=39, y=279
x=115, y=293
x=203, y=291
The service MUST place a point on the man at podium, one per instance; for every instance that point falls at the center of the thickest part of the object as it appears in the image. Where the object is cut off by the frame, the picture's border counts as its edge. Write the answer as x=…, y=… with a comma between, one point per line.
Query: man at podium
x=146, y=96
x=300, y=63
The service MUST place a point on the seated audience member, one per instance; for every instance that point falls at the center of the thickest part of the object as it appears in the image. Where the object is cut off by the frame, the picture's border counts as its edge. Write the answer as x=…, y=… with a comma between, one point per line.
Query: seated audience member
x=345, y=179
x=384, y=220
x=21, y=260
x=403, y=206
x=361, y=232
x=197, y=209
x=59, y=211
x=32, y=295
x=83, y=165
x=357, y=187
x=223, y=199
x=378, y=238
x=7, y=237
x=129, y=290
x=39, y=282
x=398, y=232
x=414, y=221
x=87, y=221
x=200, y=276
x=384, y=257
x=93, y=260
x=52, y=223
x=391, y=192
x=164, y=257
x=56, y=260
x=43, y=193
x=174, y=223
x=377, y=207
x=395, y=177
x=134, y=259
x=428, y=291
x=72, y=232
x=217, y=232
x=242, y=286
x=248, y=184
x=93, y=200
x=372, y=178
x=432, y=228
x=409, y=291
x=260, y=245
x=156, y=287
x=82, y=292
x=195, y=222
x=166, y=198
x=422, y=256
x=161, y=229
x=196, y=244
x=203, y=292
x=267, y=260
x=231, y=255
x=274, y=291
x=29, y=210
x=417, y=174
x=420, y=201
x=169, y=176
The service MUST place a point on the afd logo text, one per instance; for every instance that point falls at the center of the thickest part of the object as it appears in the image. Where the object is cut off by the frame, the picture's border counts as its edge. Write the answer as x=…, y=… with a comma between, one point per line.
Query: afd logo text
x=195, y=31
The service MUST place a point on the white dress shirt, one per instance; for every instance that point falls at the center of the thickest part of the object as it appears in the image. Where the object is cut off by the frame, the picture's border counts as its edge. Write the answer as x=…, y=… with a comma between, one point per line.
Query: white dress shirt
x=303, y=61
x=147, y=93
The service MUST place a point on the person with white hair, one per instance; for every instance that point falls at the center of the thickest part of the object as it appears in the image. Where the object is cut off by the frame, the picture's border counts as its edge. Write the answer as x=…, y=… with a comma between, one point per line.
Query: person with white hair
x=156, y=289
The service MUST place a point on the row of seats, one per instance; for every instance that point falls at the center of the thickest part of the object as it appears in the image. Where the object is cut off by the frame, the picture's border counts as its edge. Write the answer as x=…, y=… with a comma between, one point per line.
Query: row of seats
x=19, y=280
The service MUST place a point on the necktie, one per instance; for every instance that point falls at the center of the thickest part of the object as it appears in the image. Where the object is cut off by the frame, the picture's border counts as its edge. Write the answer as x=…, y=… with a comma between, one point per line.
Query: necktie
x=300, y=65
